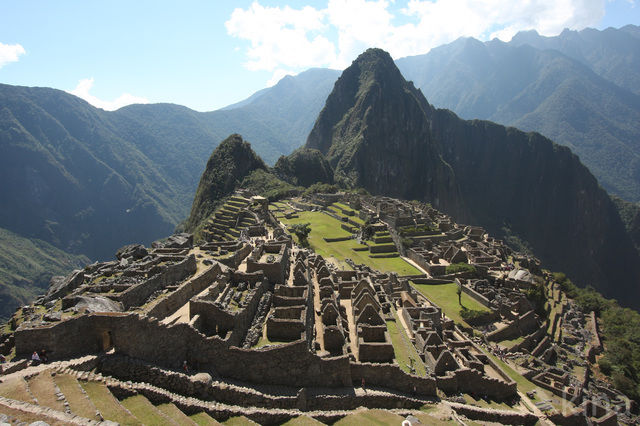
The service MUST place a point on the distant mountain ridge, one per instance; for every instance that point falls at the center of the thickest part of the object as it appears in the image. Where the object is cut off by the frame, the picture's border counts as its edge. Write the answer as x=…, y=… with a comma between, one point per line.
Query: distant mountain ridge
x=578, y=88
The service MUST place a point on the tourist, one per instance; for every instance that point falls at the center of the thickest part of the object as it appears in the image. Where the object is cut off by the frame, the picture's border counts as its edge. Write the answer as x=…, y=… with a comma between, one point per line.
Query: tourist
x=35, y=358
x=185, y=367
x=43, y=356
x=363, y=387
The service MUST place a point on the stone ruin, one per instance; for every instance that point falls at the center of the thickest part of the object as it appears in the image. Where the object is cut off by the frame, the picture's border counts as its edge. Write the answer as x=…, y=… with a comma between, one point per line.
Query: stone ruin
x=253, y=309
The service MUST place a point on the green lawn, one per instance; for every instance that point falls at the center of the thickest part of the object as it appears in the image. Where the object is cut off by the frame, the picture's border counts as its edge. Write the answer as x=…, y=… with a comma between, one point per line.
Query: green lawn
x=511, y=342
x=370, y=417
x=404, y=350
x=446, y=297
x=144, y=410
x=323, y=225
x=203, y=419
x=302, y=421
x=107, y=404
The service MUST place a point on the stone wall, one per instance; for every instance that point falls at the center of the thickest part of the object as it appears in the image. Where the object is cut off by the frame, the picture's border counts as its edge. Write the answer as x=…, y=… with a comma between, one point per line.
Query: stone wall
x=186, y=291
x=138, y=294
x=494, y=416
x=392, y=377
x=237, y=323
x=523, y=325
x=168, y=346
x=237, y=257
x=475, y=295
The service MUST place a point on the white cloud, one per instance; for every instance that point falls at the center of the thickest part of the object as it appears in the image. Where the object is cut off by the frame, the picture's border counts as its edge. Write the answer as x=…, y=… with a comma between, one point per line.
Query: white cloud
x=281, y=36
x=85, y=85
x=284, y=37
x=10, y=53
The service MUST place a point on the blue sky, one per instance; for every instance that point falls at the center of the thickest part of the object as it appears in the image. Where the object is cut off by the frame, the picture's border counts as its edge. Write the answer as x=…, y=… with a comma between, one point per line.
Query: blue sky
x=208, y=54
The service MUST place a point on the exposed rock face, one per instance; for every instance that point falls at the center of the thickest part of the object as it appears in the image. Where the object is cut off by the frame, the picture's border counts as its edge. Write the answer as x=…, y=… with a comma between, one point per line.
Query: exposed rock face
x=182, y=240
x=61, y=286
x=230, y=162
x=304, y=167
x=379, y=132
x=132, y=251
x=374, y=130
x=98, y=304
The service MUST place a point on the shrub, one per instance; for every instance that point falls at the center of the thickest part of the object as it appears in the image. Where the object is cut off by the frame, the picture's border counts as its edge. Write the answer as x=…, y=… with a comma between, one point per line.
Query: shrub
x=473, y=316
x=605, y=365
x=460, y=267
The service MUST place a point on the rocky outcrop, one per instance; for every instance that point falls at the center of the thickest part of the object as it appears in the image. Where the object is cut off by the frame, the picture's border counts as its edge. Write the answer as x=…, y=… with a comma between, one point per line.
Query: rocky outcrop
x=61, y=286
x=131, y=251
x=176, y=241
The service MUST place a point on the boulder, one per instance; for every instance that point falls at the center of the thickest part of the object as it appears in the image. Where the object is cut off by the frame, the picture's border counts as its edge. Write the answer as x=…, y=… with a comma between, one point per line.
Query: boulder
x=132, y=251
x=183, y=240
x=97, y=304
x=52, y=316
x=61, y=286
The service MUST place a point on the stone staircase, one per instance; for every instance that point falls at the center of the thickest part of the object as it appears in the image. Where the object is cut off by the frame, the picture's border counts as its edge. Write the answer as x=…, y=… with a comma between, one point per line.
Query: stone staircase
x=229, y=220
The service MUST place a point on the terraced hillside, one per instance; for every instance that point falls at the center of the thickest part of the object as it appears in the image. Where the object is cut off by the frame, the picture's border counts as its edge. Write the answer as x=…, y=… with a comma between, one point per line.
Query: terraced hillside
x=61, y=394
x=227, y=223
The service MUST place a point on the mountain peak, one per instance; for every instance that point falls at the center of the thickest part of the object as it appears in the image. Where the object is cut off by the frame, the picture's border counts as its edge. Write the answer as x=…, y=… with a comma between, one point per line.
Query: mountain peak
x=231, y=161
x=375, y=125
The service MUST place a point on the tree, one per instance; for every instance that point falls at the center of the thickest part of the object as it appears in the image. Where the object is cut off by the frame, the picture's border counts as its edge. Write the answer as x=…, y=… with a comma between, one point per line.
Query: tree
x=302, y=231
x=459, y=293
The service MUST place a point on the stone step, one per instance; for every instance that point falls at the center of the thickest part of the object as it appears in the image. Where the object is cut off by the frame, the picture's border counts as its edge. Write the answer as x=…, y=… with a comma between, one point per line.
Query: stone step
x=237, y=202
x=79, y=402
x=145, y=411
x=239, y=199
x=239, y=420
x=44, y=390
x=174, y=413
x=107, y=404
x=230, y=208
x=203, y=419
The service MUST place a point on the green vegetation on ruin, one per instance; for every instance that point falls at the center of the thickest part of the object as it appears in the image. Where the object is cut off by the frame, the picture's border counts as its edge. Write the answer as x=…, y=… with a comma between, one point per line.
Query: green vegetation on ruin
x=446, y=297
x=405, y=351
x=620, y=333
x=325, y=226
x=459, y=267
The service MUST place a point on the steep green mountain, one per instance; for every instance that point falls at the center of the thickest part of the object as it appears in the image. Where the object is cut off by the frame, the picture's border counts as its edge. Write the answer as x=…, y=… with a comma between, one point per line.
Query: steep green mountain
x=379, y=132
x=304, y=167
x=26, y=266
x=67, y=177
x=630, y=215
x=231, y=162
x=88, y=181
x=580, y=89
x=369, y=101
